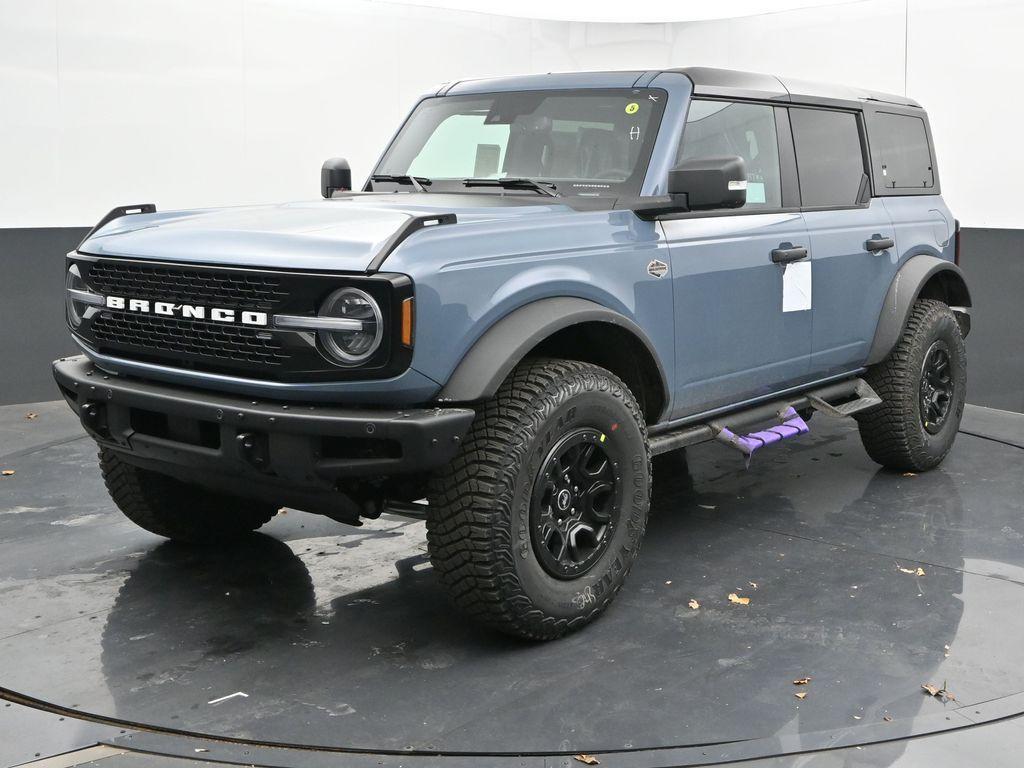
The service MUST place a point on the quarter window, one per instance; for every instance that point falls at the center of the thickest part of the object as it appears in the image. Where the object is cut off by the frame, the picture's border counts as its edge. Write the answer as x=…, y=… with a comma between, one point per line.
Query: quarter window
x=829, y=158
x=900, y=152
x=715, y=128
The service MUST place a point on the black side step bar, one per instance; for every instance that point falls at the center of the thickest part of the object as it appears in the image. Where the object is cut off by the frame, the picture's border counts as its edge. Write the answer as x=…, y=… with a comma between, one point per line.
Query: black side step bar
x=843, y=398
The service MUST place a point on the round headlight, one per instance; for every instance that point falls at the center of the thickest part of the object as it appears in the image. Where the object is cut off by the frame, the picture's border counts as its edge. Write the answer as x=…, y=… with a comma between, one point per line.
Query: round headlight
x=354, y=342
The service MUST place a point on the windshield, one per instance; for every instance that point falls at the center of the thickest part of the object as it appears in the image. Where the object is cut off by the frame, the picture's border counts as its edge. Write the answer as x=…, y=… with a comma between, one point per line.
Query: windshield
x=582, y=142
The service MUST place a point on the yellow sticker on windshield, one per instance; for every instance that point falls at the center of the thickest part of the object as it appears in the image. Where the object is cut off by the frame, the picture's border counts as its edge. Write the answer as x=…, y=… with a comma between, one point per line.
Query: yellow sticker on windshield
x=632, y=108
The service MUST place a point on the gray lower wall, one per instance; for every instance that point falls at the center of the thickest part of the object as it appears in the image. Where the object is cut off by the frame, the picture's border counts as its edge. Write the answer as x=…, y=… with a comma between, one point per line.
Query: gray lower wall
x=993, y=260
x=32, y=331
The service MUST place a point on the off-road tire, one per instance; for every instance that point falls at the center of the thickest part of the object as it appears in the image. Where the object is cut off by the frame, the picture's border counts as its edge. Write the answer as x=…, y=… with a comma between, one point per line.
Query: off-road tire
x=479, y=518
x=894, y=433
x=176, y=510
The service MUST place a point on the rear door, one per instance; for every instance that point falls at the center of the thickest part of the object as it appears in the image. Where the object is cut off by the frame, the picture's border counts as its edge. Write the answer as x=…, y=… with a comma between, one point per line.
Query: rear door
x=853, y=250
x=742, y=328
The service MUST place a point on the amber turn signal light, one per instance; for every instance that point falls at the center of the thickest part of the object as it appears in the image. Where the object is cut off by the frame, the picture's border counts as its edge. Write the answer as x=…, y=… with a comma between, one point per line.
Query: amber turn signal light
x=408, y=312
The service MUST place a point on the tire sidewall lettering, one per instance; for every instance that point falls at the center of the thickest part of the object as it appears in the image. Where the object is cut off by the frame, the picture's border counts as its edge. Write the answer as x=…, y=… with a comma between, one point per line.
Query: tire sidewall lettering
x=588, y=405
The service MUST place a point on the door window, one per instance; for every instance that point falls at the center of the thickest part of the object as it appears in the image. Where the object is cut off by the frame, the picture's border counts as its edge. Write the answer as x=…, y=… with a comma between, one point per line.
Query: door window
x=829, y=158
x=716, y=128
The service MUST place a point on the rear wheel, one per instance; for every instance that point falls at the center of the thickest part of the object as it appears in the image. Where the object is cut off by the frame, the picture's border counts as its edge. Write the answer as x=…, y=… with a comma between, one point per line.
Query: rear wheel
x=177, y=510
x=923, y=384
x=534, y=526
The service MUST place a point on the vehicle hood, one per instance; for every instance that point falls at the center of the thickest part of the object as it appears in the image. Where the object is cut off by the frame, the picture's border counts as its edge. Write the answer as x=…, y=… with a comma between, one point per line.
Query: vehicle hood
x=341, y=234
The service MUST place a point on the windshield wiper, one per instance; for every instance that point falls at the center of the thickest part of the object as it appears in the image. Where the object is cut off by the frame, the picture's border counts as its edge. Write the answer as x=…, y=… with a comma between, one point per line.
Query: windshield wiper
x=545, y=188
x=413, y=181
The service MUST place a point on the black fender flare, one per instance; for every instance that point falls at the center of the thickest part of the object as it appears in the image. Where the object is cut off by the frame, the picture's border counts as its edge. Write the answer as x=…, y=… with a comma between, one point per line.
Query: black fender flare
x=493, y=356
x=904, y=290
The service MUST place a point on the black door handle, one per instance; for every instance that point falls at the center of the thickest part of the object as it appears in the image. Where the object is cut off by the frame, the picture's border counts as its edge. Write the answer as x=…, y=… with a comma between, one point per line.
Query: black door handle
x=879, y=244
x=786, y=253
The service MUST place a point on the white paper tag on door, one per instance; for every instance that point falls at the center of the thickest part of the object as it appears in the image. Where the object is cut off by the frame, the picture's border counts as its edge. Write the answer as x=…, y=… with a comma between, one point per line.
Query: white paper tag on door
x=796, y=287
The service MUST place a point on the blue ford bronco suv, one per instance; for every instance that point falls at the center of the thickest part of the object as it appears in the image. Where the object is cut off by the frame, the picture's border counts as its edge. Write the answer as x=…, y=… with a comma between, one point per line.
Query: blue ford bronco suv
x=544, y=282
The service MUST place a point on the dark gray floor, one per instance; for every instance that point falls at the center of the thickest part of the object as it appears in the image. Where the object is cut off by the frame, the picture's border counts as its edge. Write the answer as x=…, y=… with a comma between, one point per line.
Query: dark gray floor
x=340, y=637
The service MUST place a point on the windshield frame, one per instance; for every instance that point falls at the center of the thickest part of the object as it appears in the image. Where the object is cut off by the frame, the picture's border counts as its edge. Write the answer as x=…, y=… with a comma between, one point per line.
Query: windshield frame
x=565, y=187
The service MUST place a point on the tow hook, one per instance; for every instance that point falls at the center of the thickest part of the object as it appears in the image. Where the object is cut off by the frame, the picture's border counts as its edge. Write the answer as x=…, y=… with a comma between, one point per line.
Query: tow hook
x=252, y=446
x=94, y=417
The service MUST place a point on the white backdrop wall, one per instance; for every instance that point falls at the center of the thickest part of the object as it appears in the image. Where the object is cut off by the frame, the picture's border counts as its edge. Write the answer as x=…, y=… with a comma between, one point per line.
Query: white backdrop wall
x=196, y=103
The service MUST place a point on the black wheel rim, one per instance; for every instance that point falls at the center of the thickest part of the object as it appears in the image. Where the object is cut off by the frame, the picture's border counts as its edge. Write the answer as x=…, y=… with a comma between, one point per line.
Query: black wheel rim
x=937, y=387
x=575, y=505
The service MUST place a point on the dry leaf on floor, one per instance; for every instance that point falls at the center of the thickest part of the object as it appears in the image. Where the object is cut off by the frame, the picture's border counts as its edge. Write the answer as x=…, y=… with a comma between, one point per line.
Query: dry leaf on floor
x=734, y=598
x=802, y=681
x=939, y=693
x=910, y=474
x=587, y=759
x=802, y=695
x=707, y=506
x=753, y=584
x=7, y=472
x=887, y=718
x=693, y=604
x=912, y=571
x=31, y=415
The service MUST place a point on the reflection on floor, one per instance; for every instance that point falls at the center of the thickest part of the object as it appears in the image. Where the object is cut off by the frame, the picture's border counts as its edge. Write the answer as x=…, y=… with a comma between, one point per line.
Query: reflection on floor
x=870, y=583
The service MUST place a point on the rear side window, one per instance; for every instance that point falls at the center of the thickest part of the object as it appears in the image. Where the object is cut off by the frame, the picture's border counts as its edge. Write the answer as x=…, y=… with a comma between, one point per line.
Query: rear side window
x=900, y=152
x=829, y=158
x=715, y=128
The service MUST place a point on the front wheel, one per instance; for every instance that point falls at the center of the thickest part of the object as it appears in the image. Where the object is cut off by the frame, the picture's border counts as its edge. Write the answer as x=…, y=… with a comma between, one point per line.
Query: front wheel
x=923, y=385
x=534, y=526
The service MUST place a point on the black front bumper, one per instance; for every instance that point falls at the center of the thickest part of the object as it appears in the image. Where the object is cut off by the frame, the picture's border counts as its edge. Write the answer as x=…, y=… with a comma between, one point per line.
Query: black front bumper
x=308, y=456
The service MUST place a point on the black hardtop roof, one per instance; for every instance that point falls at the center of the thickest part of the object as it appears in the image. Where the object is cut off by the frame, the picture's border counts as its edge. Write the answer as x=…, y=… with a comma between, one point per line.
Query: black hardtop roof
x=709, y=81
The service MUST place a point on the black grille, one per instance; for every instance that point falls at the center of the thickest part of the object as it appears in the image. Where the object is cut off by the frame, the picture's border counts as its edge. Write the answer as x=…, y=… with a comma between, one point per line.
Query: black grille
x=232, y=348
x=212, y=341
x=237, y=289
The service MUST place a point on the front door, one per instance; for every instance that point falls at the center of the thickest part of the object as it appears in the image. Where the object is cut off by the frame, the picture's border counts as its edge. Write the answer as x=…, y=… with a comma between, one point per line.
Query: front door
x=735, y=339
x=742, y=316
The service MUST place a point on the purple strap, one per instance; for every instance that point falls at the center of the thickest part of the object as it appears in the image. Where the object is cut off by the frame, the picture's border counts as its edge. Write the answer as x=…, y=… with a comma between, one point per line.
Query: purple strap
x=792, y=426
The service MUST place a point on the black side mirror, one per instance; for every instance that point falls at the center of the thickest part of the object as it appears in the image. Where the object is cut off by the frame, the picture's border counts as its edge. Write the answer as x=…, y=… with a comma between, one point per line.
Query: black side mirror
x=702, y=184
x=335, y=174
x=710, y=182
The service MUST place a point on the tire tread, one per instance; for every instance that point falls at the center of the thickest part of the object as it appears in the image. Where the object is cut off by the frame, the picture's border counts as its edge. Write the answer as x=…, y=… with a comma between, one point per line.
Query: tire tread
x=471, y=500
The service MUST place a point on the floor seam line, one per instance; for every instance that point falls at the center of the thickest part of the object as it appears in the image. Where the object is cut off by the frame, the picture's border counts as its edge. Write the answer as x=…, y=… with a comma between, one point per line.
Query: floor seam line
x=36, y=449
x=94, y=614
x=991, y=439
